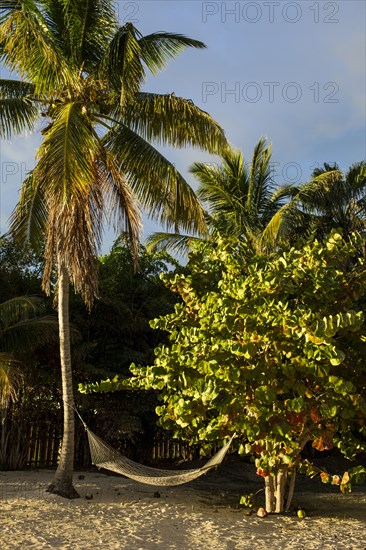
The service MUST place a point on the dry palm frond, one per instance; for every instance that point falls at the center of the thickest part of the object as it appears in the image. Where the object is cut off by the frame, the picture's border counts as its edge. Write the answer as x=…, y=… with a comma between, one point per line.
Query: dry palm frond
x=10, y=379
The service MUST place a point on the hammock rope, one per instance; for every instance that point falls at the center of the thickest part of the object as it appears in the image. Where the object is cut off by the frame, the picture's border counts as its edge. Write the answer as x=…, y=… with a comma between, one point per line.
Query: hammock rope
x=104, y=456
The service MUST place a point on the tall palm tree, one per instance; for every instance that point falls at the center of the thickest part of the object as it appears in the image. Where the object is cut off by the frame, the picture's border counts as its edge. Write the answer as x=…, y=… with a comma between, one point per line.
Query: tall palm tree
x=83, y=73
x=240, y=198
x=330, y=200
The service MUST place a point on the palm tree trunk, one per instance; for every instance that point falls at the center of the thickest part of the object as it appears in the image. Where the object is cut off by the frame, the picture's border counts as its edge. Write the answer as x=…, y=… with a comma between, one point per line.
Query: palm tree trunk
x=62, y=483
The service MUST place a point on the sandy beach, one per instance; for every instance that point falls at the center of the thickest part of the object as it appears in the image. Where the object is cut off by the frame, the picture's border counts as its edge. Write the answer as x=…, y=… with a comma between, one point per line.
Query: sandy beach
x=115, y=512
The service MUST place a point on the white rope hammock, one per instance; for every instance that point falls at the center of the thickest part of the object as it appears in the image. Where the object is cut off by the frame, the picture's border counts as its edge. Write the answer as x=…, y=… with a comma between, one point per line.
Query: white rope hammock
x=104, y=456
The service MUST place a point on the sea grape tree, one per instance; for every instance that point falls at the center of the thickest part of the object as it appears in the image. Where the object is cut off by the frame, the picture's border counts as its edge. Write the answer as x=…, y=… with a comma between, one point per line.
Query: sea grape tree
x=269, y=348
x=272, y=349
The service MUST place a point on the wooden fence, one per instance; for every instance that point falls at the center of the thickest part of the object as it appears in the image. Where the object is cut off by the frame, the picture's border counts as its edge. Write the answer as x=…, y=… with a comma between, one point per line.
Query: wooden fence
x=38, y=446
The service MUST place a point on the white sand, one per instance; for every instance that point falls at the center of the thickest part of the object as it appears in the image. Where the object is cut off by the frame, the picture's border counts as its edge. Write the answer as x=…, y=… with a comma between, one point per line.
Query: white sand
x=126, y=515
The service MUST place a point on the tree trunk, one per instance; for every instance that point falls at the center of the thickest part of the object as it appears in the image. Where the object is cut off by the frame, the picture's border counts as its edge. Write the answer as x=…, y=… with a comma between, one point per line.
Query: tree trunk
x=305, y=438
x=3, y=439
x=291, y=490
x=62, y=483
x=281, y=489
x=269, y=493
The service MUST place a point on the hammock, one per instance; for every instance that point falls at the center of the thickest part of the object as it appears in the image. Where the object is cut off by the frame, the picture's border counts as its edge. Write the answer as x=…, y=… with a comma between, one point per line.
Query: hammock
x=104, y=456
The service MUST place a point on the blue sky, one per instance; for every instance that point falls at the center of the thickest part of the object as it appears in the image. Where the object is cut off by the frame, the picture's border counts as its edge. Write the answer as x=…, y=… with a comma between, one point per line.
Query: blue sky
x=291, y=71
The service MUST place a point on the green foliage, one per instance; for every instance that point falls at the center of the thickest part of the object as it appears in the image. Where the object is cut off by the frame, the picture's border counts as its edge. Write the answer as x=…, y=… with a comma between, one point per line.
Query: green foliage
x=330, y=200
x=269, y=348
x=117, y=331
x=105, y=386
x=247, y=500
x=81, y=77
x=239, y=196
x=19, y=271
x=105, y=341
x=22, y=330
x=24, y=323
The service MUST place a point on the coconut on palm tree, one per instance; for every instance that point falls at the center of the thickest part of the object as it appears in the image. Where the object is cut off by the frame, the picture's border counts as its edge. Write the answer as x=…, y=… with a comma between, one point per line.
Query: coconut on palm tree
x=82, y=74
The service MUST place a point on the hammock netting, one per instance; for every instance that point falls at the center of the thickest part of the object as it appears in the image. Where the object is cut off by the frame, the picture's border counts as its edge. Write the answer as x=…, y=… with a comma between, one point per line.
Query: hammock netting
x=104, y=456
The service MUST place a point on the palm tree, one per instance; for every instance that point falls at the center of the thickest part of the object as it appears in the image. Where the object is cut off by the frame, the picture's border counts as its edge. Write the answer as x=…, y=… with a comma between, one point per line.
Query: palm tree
x=83, y=73
x=240, y=198
x=330, y=200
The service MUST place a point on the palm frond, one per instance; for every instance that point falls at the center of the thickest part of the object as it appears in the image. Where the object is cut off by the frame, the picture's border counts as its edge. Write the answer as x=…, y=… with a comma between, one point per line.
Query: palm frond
x=121, y=65
x=314, y=206
x=278, y=198
x=284, y=192
x=17, y=111
x=84, y=216
x=29, y=47
x=19, y=309
x=356, y=178
x=161, y=190
x=74, y=234
x=10, y=379
x=260, y=182
x=316, y=191
x=215, y=192
x=66, y=157
x=7, y=7
x=259, y=149
x=54, y=16
x=29, y=334
x=121, y=204
x=69, y=178
x=223, y=189
x=29, y=218
x=277, y=225
x=160, y=47
x=289, y=221
x=235, y=170
x=172, y=242
x=87, y=29
x=176, y=121
x=207, y=174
